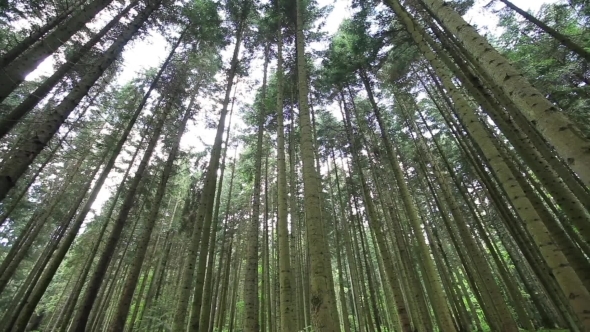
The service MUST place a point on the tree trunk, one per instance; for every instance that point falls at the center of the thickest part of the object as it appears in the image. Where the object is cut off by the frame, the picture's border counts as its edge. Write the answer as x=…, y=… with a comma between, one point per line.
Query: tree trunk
x=23, y=155
x=562, y=133
x=9, y=120
x=14, y=74
x=95, y=282
x=251, y=319
x=205, y=313
x=287, y=304
x=322, y=301
x=31, y=39
x=118, y=323
x=205, y=209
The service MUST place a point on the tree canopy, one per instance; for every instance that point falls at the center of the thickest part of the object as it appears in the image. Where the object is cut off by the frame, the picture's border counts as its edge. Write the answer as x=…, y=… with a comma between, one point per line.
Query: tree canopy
x=395, y=168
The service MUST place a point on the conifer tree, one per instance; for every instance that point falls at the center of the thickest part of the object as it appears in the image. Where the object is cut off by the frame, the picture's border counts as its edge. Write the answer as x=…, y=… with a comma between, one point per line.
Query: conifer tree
x=436, y=181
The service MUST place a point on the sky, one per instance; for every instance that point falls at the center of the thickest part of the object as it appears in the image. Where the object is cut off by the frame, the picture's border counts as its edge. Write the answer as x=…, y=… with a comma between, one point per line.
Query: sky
x=478, y=15
x=151, y=51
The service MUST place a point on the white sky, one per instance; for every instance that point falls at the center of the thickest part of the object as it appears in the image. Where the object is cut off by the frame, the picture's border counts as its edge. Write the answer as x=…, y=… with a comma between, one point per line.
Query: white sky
x=485, y=19
x=151, y=51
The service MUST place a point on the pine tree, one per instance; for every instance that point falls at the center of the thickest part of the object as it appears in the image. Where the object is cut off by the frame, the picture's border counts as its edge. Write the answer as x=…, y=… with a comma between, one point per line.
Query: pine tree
x=429, y=185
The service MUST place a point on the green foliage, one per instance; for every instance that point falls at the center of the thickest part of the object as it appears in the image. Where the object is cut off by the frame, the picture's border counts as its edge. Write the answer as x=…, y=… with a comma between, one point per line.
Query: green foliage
x=371, y=52
x=550, y=66
x=205, y=23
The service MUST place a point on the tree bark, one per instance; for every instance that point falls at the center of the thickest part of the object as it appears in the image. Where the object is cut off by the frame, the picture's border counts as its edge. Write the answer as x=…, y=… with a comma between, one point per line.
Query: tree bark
x=14, y=74
x=561, y=132
x=130, y=283
x=9, y=120
x=205, y=208
x=321, y=300
x=563, y=39
x=24, y=154
x=32, y=38
x=100, y=270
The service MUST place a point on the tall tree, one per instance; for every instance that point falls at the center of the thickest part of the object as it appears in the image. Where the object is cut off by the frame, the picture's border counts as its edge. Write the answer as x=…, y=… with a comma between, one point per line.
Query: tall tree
x=322, y=298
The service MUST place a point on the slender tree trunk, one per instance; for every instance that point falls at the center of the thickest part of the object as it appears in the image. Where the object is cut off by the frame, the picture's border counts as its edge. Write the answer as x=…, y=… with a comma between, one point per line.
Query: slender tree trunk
x=563, y=39
x=251, y=306
x=14, y=74
x=352, y=264
x=341, y=292
x=205, y=209
x=118, y=323
x=287, y=305
x=322, y=302
x=9, y=120
x=222, y=254
x=23, y=155
x=31, y=39
x=561, y=132
x=95, y=282
x=204, y=315
x=225, y=293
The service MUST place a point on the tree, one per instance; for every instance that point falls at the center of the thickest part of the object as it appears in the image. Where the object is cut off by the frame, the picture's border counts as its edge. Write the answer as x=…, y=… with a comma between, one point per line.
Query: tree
x=426, y=187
